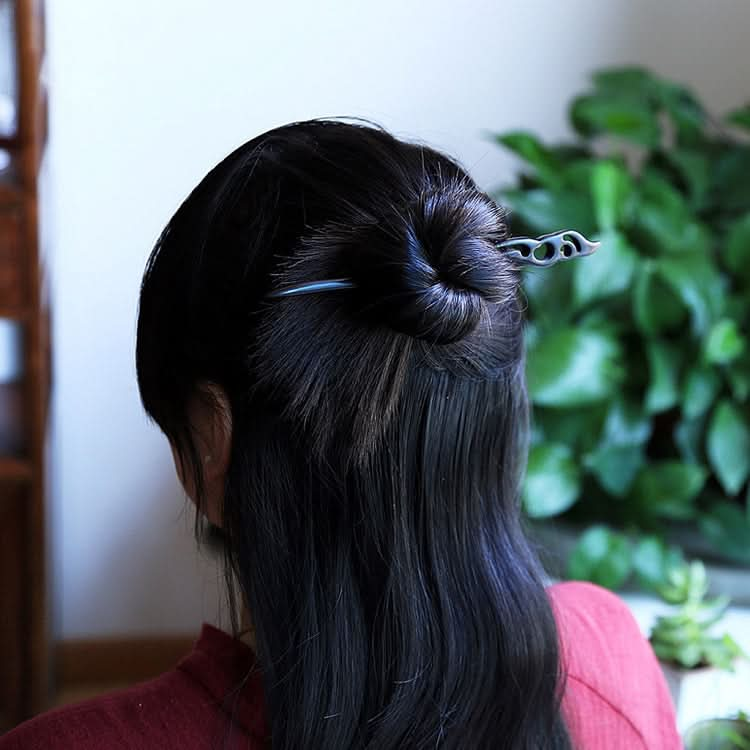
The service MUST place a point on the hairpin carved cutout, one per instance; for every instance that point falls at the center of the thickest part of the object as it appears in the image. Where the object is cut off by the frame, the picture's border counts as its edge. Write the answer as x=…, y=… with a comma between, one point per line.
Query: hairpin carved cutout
x=549, y=248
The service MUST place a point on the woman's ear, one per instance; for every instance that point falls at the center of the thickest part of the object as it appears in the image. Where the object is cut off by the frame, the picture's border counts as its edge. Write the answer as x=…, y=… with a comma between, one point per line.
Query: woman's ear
x=210, y=416
x=213, y=417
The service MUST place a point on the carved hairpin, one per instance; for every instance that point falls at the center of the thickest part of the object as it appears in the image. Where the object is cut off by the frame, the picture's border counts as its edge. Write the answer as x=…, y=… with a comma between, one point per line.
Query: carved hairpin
x=549, y=248
x=541, y=251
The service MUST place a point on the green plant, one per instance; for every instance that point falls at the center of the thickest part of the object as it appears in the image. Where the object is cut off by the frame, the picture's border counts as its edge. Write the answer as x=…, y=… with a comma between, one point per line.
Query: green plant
x=684, y=638
x=719, y=734
x=638, y=358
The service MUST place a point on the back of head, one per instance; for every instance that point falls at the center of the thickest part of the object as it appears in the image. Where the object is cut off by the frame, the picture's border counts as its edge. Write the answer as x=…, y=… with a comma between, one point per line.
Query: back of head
x=371, y=504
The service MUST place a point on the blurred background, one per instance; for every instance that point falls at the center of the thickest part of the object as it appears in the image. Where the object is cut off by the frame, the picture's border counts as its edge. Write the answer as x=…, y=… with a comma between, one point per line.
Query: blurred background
x=111, y=112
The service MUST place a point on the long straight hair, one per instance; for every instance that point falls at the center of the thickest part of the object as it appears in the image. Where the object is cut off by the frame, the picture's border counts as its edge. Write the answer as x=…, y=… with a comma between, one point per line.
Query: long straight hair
x=371, y=506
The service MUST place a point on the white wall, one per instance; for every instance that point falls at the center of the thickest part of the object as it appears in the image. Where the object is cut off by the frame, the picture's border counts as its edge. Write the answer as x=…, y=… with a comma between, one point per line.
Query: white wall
x=147, y=96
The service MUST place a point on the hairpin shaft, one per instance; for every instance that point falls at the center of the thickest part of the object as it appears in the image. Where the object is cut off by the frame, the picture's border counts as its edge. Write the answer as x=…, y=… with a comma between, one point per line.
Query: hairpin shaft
x=313, y=286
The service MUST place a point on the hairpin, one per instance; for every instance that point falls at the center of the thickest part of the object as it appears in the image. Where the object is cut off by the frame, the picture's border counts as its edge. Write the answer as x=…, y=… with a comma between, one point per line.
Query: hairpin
x=556, y=247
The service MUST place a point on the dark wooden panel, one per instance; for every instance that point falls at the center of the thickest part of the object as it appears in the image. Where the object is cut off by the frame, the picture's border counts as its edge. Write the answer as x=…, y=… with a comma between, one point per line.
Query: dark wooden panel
x=12, y=418
x=117, y=660
x=13, y=646
x=13, y=286
x=15, y=469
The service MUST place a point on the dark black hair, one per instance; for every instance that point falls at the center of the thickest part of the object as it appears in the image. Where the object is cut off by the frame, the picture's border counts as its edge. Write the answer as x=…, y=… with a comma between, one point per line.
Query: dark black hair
x=371, y=508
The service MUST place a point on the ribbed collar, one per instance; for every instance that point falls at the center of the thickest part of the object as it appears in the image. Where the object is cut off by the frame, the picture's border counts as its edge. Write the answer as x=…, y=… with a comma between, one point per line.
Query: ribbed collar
x=229, y=670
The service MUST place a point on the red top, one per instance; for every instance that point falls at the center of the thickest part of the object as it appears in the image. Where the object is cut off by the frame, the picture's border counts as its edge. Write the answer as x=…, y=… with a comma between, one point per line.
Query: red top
x=615, y=697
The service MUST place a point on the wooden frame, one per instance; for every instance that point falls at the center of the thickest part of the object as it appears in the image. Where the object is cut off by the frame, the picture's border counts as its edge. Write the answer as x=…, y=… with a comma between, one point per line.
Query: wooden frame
x=24, y=682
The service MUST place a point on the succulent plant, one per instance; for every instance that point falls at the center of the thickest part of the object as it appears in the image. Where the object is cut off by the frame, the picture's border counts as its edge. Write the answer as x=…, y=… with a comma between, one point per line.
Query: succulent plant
x=684, y=638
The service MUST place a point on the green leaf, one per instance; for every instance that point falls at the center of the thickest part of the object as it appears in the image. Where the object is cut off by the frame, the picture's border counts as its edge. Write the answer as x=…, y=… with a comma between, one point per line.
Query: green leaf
x=549, y=294
x=533, y=152
x=738, y=375
x=611, y=188
x=722, y=653
x=694, y=167
x=626, y=424
x=656, y=307
x=602, y=556
x=578, y=427
x=615, y=466
x=663, y=390
x=689, y=655
x=667, y=489
x=577, y=176
x=740, y=117
x=725, y=342
x=737, y=306
x=697, y=282
x=631, y=79
x=552, y=482
x=570, y=367
x=664, y=216
x=607, y=272
x=686, y=582
x=688, y=437
x=686, y=112
x=731, y=188
x=701, y=386
x=543, y=211
x=652, y=559
x=727, y=528
x=566, y=153
x=728, y=447
x=627, y=117
x=737, y=248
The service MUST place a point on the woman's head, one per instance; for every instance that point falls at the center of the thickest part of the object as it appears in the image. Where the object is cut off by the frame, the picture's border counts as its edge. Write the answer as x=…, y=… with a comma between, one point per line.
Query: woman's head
x=369, y=490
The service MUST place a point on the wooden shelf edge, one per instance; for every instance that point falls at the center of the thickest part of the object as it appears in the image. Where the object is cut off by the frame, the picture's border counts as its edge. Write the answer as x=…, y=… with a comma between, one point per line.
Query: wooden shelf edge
x=15, y=469
x=21, y=314
x=11, y=186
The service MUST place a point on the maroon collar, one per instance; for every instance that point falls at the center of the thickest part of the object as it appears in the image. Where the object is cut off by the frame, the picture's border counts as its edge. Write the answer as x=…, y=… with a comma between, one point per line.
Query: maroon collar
x=229, y=670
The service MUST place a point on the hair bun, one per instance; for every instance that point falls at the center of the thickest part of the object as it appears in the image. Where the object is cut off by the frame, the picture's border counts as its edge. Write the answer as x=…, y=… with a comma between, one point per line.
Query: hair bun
x=430, y=271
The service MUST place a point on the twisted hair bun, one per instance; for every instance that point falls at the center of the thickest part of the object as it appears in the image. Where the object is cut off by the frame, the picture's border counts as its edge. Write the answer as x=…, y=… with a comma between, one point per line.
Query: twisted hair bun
x=430, y=271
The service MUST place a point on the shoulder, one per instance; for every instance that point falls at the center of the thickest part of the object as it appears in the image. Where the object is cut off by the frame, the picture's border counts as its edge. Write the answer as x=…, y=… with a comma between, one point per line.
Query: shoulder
x=614, y=684
x=213, y=697
x=583, y=605
x=159, y=713
x=597, y=629
x=599, y=637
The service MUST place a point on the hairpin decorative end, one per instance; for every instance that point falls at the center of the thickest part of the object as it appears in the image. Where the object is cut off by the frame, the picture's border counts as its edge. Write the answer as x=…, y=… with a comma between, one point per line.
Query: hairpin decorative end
x=549, y=248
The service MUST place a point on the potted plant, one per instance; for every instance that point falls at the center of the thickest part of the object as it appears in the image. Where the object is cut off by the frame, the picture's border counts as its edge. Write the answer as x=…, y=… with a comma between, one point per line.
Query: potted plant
x=638, y=358
x=701, y=668
x=719, y=734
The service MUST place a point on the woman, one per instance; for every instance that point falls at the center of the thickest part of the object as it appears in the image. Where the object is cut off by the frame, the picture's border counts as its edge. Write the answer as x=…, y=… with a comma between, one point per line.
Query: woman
x=361, y=442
